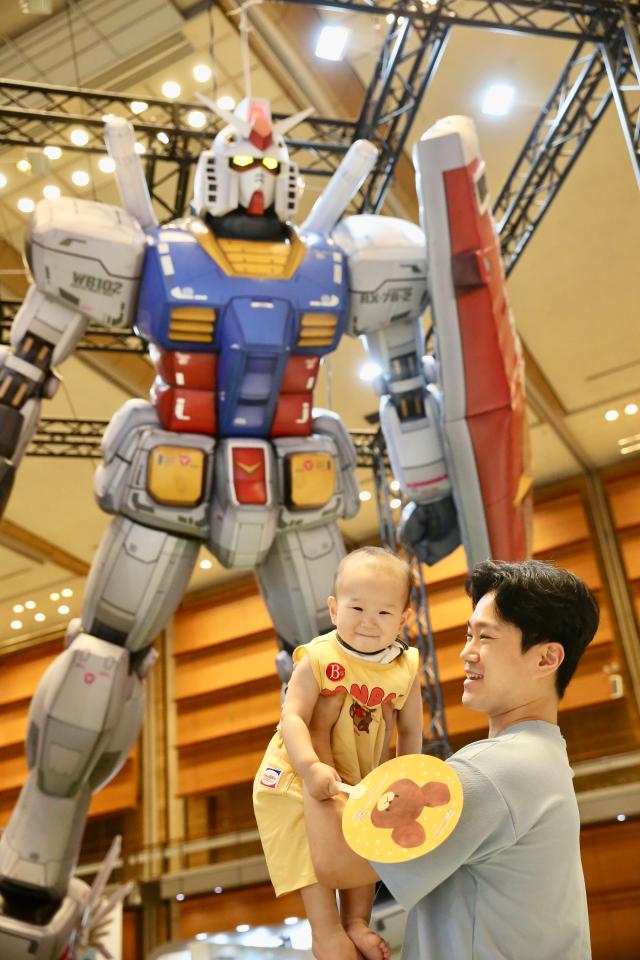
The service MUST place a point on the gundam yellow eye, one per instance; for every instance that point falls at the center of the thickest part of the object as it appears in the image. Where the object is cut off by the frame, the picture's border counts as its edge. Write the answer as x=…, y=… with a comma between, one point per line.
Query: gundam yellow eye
x=242, y=162
x=271, y=164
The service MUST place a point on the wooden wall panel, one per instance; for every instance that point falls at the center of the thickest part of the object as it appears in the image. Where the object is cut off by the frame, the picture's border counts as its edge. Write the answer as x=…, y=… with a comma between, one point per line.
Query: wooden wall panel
x=611, y=862
x=253, y=905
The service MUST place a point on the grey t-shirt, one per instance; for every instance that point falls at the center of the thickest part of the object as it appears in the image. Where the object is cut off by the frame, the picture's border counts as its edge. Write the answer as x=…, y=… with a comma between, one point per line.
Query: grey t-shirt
x=507, y=884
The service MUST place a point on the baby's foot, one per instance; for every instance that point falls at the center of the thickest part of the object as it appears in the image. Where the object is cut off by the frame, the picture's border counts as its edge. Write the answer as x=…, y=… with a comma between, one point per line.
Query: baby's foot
x=369, y=943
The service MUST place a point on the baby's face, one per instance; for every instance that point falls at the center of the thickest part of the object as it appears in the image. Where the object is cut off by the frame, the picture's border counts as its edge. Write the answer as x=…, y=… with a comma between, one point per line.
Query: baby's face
x=369, y=609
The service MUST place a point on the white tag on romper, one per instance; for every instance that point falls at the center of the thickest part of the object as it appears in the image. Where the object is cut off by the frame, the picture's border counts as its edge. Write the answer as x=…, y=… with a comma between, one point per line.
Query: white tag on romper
x=270, y=777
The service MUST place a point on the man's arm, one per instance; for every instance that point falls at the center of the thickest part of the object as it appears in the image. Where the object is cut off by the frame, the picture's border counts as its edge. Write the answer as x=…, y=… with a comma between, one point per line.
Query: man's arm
x=335, y=863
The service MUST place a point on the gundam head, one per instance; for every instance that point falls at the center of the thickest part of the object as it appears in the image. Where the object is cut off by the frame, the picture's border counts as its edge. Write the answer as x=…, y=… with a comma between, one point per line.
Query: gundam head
x=248, y=167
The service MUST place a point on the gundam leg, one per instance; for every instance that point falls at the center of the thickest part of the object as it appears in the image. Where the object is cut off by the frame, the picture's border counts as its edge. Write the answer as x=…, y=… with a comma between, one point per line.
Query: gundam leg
x=316, y=485
x=88, y=709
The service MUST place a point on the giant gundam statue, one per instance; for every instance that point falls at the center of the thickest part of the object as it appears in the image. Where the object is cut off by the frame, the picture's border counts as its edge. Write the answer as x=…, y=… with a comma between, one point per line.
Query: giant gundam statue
x=239, y=307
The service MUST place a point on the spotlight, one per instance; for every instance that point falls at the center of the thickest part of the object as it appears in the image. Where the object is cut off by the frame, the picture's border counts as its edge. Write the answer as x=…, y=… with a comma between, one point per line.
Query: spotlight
x=611, y=415
x=139, y=106
x=26, y=205
x=196, y=119
x=205, y=564
x=202, y=72
x=395, y=503
x=51, y=192
x=30, y=604
x=163, y=138
x=53, y=153
x=332, y=43
x=498, y=100
x=23, y=166
x=365, y=495
x=630, y=409
x=63, y=609
x=16, y=624
x=39, y=617
x=369, y=371
x=226, y=102
x=54, y=596
x=79, y=136
x=18, y=608
x=107, y=164
x=80, y=178
x=171, y=90
x=67, y=592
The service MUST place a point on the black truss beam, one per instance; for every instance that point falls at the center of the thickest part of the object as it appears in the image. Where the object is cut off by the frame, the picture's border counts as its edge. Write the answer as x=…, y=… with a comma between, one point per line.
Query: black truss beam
x=97, y=339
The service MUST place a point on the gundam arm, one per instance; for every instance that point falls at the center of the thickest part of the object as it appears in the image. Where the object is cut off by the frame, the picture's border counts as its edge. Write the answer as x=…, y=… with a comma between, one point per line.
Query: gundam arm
x=86, y=259
x=387, y=298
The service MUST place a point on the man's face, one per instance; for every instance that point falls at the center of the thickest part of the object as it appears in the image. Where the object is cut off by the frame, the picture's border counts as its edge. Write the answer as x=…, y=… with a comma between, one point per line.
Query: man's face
x=498, y=676
x=369, y=608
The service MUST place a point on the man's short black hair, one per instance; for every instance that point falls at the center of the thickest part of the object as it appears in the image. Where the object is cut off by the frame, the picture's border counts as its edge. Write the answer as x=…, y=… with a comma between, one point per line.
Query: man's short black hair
x=546, y=602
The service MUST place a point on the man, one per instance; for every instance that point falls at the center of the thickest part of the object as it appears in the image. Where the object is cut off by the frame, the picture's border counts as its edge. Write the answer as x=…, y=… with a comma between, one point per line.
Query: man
x=507, y=884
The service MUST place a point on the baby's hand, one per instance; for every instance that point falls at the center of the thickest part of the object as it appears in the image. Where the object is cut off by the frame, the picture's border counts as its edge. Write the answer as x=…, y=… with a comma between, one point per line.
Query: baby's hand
x=322, y=781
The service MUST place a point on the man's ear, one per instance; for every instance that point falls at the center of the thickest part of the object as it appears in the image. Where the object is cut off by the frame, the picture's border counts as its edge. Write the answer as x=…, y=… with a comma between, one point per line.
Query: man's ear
x=551, y=656
x=333, y=609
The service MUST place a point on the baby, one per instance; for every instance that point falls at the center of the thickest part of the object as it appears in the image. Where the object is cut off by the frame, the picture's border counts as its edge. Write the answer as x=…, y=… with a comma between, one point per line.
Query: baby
x=365, y=667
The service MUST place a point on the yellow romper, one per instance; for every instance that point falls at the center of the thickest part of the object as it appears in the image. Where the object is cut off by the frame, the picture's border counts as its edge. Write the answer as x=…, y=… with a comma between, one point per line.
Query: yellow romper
x=356, y=743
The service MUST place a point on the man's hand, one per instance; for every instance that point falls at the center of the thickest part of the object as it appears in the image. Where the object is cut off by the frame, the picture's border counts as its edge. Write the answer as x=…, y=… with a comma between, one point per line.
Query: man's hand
x=321, y=781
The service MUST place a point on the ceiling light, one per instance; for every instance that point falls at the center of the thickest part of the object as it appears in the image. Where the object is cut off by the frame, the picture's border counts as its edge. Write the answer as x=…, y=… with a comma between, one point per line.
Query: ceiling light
x=30, y=604
x=26, y=205
x=40, y=617
x=632, y=448
x=226, y=102
x=79, y=136
x=3, y=181
x=630, y=409
x=394, y=485
x=54, y=596
x=53, y=153
x=108, y=116
x=290, y=920
x=401, y=21
x=171, y=89
x=196, y=119
x=63, y=609
x=23, y=166
x=18, y=608
x=200, y=936
x=107, y=164
x=80, y=178
x=498, y=99
x=51, y=192
x=139, y=106
x=139, y=148
x=179, y=896
x=395, y=503
x=202, y=72
x=621, y=818
x=390, y=18
x=331, y=43
x=369, y=371
x=243, y=928
x=365, y=495
x=611, y=415
x=205, y=564
x=67, y=592
x=16, y=624
x=162, y=137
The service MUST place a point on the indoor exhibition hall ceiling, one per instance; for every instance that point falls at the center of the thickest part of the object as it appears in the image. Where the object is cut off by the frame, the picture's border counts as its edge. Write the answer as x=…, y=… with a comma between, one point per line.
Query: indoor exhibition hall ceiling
x=573, y=292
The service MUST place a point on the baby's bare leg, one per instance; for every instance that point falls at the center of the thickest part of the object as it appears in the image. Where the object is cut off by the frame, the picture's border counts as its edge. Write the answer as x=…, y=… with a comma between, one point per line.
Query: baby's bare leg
x=329, y=940
x=355, y=912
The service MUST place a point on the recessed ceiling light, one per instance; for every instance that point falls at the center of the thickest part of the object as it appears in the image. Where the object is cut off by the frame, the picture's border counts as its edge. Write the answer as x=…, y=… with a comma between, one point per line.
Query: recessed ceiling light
x=79, y=136
x=30, y=604
x=139, y=148
x=621, y=818
x=63, y=609
x=395, y=503
x=180, y=896
x=54, y=596
x=107, y=164
x=205, y=564
x=394, y=485
x=162, y=137
x=196, y=119
x=139, y=106
x=200, y=936
x=80, y=178
x=498, y=99
x=630, y=409
x=16, y=624
x=23, y=166
x=53, y=153
x=290, y=920
x=202, y=72
x=243, y=928
x=40, y=617
x=369, y=371
x=217, y=889
x=390, y=18
x=26, y=205
x=171, y=90
x=3, y=181
x=18, y=608
x=67, y=592
x=51, y=192
x=108, y=116
x=611, y=415
x=226, y=102
x=332, y=43
x=365, y=495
